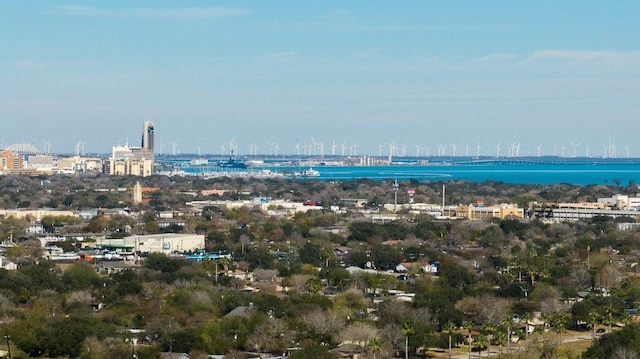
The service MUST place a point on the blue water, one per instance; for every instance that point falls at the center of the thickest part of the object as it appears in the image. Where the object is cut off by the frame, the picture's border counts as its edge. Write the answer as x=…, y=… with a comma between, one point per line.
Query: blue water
x=581, y=173
x=572, y=172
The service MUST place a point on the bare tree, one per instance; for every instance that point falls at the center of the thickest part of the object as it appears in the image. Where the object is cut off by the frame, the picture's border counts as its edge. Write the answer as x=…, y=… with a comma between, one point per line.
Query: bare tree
x=325, y=322
x=358, y=333
x=270, y=336
x=580, y=278
x=608, y=277
x=484, y=309
x=547, y=299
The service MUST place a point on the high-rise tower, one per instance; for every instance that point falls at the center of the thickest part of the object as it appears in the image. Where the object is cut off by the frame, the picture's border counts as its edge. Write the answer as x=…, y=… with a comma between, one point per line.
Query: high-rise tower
x=147, y=136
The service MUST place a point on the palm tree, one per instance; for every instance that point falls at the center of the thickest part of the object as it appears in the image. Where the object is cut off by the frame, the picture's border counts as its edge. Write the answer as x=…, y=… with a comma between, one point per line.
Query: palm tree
x=501, y=338
x=507, y=321
x=608, y=316
x=490, y=328
x=526, y=317
x=326, y=254
x=482, y=342
x=592, y=322
x=449, y=329
x=469, y=327
x=407, y=330
x=560, y=322
x=374, y=345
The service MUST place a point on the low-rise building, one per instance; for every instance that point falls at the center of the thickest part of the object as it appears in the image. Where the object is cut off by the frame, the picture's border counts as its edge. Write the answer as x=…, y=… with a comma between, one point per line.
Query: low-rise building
x=502, y=211
x=155, y=243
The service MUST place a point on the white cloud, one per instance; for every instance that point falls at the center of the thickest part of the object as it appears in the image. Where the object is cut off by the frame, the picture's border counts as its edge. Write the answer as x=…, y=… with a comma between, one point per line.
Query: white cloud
x=160, y=13
x=584, y=55
x=33, y=65
x=495, y=58
x=281, y=56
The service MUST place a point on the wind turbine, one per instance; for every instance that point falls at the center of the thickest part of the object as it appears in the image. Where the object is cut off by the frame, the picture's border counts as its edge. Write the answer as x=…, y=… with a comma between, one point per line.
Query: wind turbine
x=454, y=149
x=174, y=145
x=313, y=147
x=306, y=148
x=575, y=148
x=199, y=145
x=393, y=150
x=539, y=148
x=514, y=149
x=296, y=149
x=442, y=150
x=498, y=150
x=253, y=149
x=334, y=146
x=353, y=149
x=233, y=147
x=626, y=148
x=612, y=150
x=161, y=146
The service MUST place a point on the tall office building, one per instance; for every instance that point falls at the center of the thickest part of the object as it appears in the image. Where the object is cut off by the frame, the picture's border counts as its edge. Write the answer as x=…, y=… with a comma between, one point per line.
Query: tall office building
x=136, y=161
x=147, y=136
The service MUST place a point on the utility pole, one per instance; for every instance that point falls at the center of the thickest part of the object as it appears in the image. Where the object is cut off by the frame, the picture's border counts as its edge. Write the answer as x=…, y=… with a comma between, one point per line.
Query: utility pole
x=395, y=188
x=7, y=338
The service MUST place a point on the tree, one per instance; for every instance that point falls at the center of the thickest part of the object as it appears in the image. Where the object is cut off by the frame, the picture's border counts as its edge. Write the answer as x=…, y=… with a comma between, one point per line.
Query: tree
x=526, y=318
x=162, y=263
x=313, y=285
x=449, y=328
x=501, y=339
x=323, y=325
x=560, y=320
x=490, y=328
x=270, y=336
x=627, y=339
x=468, y=326
x=374, y=346
x=359, y=333
x=592, y=322
x=481, y=343
x=609, y=312
x=407, y=329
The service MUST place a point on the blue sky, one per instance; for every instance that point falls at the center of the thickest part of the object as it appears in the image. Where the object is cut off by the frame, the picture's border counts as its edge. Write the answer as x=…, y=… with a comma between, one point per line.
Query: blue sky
x=550, y=75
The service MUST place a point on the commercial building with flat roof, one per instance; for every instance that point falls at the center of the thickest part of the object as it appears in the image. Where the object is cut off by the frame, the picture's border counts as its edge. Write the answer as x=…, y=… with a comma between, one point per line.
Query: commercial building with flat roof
x=155, y=243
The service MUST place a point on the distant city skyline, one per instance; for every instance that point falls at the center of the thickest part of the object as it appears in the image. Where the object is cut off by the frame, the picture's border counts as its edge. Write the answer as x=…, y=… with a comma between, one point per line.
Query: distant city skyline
x=419, y=77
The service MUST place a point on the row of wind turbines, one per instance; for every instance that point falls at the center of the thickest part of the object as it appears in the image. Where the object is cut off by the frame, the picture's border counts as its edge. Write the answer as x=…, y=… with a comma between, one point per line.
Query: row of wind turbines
x=395, y=149
x=389, y=149
x=501, y=150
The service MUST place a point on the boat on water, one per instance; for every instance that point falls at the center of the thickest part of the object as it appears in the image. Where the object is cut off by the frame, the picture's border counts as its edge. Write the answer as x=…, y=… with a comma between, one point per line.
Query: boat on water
x=309, y=172
x=232, y=163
